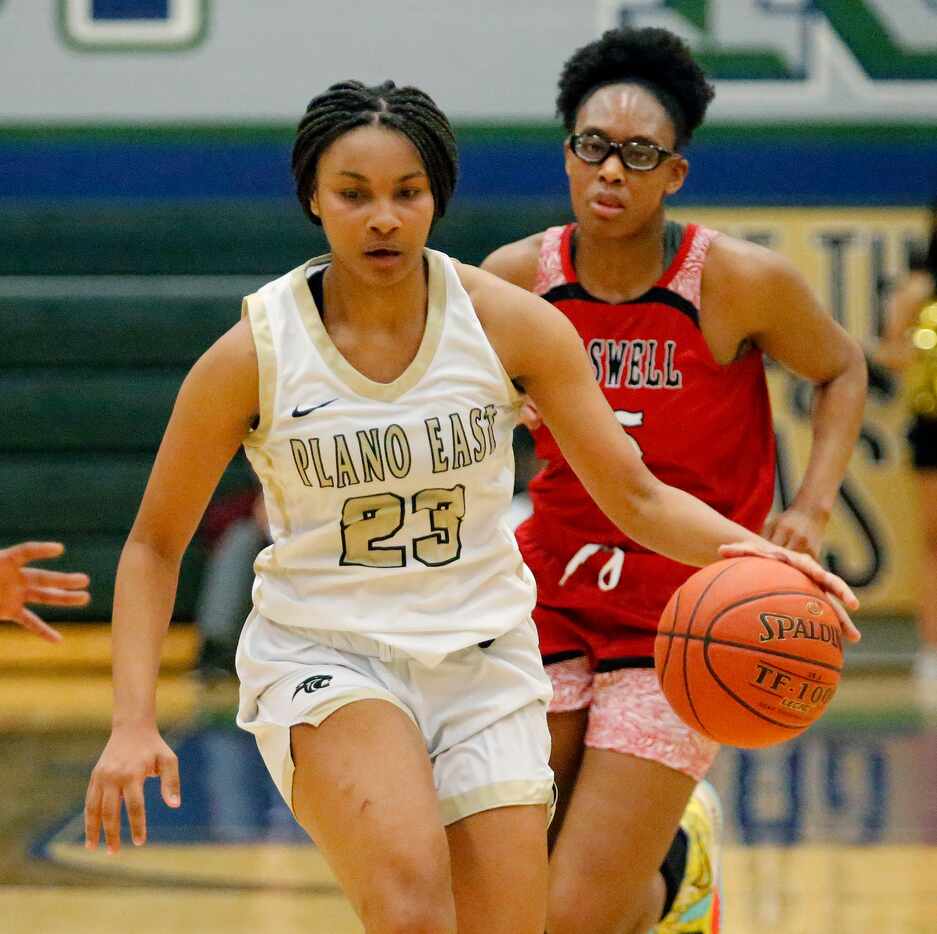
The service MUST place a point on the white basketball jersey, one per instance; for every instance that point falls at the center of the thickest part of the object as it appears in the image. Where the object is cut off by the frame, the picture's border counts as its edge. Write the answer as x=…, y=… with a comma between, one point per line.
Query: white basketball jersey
x=387, y=501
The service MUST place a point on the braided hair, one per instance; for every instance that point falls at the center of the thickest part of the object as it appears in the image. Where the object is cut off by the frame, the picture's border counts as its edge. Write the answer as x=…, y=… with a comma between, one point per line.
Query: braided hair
x=653, y=58
x=350, y=104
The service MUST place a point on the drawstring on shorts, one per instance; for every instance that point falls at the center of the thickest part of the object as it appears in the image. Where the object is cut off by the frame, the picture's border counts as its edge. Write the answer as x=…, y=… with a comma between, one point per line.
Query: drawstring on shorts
x=610, y=574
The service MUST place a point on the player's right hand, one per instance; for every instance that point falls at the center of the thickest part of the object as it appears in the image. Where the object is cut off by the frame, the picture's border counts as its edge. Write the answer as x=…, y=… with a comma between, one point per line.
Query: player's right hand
x=529, y=414
x=132, y=754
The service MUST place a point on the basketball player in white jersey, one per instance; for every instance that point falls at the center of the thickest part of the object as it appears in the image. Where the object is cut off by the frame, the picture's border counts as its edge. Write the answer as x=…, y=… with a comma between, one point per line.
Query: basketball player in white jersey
x=390, y=669
x=20, y=585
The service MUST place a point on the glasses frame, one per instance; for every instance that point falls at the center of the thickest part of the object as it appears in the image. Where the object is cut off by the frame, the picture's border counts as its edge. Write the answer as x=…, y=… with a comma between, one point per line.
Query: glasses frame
x=621, y=150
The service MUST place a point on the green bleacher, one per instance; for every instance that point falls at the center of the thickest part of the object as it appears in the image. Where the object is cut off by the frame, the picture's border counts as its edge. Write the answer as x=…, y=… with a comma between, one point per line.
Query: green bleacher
x=88, y=385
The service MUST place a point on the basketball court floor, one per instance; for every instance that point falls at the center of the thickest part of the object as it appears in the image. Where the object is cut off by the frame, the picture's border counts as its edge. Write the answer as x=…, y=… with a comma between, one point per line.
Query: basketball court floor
x=835, y=832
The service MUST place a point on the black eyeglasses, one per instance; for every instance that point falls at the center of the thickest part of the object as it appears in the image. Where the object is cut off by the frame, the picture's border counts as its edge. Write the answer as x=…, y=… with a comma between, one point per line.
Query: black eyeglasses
x=635, y=154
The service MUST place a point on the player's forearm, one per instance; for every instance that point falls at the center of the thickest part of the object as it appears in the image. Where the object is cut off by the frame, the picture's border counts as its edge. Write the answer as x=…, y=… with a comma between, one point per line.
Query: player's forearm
x=143, y=602
x=837, y=418
x=677, y=525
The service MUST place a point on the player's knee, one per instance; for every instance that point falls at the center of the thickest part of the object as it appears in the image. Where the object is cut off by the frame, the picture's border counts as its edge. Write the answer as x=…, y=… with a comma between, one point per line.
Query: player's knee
x=574, y=919
x=412, y=895
x=562, y=919
x=410, y=916
x=590, y=901
x=593, y=917
x=570, y=905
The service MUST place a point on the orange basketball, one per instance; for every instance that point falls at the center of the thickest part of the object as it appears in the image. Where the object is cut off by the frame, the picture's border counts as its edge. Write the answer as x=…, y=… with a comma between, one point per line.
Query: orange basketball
x=749, y=651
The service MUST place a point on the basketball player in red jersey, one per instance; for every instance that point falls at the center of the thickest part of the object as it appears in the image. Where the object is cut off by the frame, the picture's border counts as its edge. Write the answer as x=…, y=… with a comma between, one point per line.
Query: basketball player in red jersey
x=675, y=321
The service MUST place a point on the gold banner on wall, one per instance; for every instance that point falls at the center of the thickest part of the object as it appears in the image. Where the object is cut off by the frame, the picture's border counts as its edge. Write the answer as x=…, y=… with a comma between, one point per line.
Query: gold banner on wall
x=851, y=257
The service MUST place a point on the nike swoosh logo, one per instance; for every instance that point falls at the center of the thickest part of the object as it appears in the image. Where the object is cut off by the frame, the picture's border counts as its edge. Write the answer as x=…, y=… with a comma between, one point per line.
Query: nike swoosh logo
x=299, y=413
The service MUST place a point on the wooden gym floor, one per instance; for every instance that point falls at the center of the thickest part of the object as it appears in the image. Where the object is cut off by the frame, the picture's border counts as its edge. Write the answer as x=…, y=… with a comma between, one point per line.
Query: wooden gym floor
x=836, y=832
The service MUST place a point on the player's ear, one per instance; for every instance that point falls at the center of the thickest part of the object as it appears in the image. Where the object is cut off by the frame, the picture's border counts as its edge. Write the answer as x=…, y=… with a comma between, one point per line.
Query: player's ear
x=314, y=203
x=679, y=169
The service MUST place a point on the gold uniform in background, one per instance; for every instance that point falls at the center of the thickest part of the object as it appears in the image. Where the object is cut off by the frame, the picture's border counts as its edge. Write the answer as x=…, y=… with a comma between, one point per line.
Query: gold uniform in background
x=922, y=374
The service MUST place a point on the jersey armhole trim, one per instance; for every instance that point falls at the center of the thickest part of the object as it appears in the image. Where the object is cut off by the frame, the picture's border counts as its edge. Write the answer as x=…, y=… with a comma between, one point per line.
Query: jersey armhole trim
x=514, y=396
x=254, y=309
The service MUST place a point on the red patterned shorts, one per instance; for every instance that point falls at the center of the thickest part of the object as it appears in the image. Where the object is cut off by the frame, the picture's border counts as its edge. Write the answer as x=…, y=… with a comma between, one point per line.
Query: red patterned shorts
x=629, y=714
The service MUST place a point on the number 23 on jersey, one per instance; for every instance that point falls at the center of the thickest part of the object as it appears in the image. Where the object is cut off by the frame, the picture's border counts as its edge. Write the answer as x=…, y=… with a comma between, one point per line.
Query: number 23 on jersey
x=369, y=520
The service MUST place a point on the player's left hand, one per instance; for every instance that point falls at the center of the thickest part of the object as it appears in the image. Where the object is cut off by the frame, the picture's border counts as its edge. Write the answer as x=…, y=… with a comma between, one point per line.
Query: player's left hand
x=529, y=414
x=841, y=597
x=896, y=355
x=796, y=529
x=20, y=585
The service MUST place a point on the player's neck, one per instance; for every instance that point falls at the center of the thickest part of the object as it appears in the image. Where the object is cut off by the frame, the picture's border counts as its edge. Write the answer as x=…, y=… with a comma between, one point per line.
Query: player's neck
x=622, y=268
x=353, y=303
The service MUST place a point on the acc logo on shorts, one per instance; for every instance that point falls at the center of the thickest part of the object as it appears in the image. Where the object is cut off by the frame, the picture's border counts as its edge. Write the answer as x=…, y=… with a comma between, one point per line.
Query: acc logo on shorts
x=133, y=24
x=313, y=683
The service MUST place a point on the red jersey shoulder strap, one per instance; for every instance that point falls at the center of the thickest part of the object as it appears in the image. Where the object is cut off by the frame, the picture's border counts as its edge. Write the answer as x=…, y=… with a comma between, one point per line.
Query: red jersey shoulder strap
x=555, y=266
x=685, y=274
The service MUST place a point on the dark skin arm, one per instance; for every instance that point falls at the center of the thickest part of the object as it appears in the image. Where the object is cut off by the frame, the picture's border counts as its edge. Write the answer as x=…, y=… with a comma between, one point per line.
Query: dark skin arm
x=760, y=297
x=211, y=416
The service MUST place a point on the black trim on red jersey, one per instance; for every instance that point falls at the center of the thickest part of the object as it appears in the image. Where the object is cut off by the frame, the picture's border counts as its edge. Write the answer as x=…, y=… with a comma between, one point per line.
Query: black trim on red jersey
x=555, y=657
x=615, y=664
x=603, y=665
x=660, y=296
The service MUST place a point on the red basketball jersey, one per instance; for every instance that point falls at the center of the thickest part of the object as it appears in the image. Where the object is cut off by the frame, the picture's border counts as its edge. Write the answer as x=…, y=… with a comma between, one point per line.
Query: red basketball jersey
x=701, y=426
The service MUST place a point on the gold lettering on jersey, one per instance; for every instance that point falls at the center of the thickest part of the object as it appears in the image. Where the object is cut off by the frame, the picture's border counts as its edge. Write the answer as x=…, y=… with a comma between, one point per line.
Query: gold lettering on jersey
x=637, y=364
x=461, y=457
x=397, y=451
x=325, y=480
x=372, y=463
x=344, y=466
x=301, y=459
x=453, y=442
x=478, y=433
x=436, y=446
x=491, y=413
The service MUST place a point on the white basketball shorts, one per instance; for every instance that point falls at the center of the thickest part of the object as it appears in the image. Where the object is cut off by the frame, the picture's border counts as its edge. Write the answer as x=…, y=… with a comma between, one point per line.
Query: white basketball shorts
x=482, y=711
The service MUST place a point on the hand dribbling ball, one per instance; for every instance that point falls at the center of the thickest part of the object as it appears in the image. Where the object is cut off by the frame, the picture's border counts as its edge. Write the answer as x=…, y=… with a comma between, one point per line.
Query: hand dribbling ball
x=749, y=651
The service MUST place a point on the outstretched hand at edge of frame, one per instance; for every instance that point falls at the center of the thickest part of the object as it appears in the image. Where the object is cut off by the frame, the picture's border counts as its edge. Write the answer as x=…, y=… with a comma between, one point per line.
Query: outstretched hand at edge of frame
x=20, y=585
